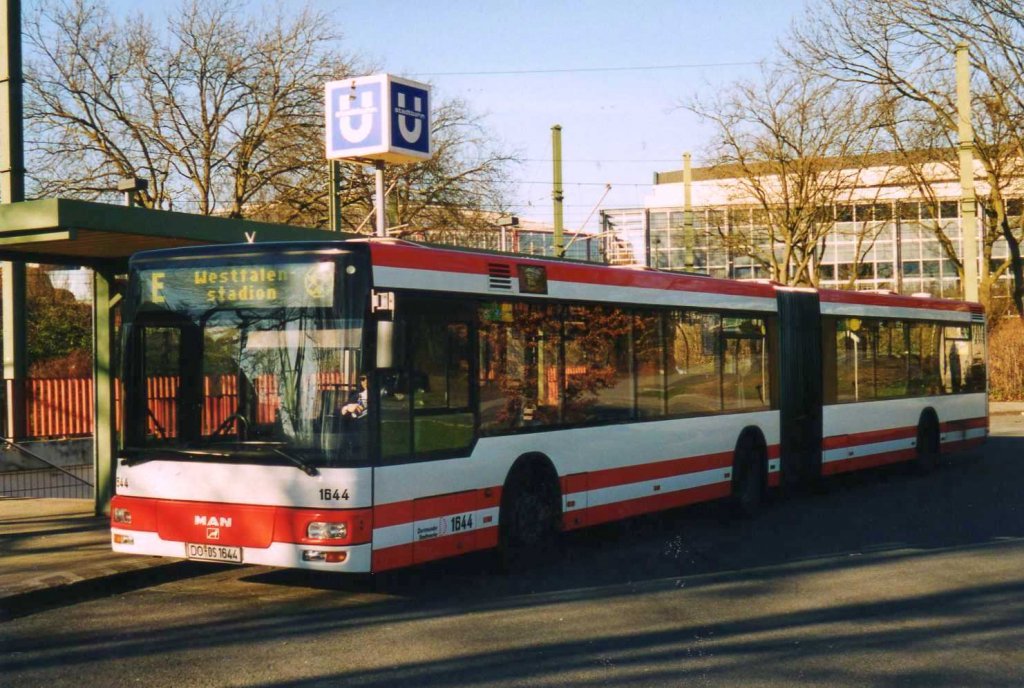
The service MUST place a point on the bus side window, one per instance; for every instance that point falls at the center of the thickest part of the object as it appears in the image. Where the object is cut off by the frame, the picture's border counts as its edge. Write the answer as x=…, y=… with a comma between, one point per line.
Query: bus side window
x=439, y=382
x=520, y=369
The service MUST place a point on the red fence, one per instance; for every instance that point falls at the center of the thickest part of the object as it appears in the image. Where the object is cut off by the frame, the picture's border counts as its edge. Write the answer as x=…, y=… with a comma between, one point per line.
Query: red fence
x=64, y=407
x=59, y=408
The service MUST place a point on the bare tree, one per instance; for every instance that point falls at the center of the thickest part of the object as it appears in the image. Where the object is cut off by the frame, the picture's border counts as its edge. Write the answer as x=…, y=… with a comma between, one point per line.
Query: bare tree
x=221, y=111
x=904, y=49
x=794, y=144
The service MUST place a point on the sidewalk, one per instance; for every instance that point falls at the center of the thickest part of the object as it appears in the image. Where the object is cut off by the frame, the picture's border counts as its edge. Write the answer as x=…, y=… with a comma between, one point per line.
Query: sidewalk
x=1005, y=408
x=56, y=545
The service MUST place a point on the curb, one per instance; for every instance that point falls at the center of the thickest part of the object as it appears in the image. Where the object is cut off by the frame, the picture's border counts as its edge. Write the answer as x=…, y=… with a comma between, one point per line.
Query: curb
x=56, y=579
x=68, y=587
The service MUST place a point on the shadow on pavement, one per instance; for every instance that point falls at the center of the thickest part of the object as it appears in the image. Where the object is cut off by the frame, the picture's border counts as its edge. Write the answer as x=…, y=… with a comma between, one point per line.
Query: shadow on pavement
x=971, y=507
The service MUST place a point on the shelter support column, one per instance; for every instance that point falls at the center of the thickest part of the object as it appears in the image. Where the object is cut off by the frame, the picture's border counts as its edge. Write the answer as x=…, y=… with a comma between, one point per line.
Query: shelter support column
x=12, y=190
x=15, y=348
x=104, y=381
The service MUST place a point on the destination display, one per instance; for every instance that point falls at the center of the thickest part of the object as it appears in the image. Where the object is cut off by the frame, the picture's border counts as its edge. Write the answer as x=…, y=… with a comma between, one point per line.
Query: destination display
x=243, y=286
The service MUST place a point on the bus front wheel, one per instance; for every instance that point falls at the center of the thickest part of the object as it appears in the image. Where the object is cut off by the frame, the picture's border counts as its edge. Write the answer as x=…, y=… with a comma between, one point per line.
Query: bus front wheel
x=529, y=519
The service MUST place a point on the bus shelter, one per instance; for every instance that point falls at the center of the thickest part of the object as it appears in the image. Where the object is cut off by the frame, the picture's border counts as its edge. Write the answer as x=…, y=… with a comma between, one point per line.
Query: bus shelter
x=102, y=237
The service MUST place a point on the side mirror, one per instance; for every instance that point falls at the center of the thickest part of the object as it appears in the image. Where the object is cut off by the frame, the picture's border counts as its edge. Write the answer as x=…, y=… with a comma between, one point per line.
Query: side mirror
x=385, y=344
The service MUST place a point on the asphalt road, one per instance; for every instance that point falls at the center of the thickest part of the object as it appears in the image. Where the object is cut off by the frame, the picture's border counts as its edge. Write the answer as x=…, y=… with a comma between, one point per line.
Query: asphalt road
x=884, y=578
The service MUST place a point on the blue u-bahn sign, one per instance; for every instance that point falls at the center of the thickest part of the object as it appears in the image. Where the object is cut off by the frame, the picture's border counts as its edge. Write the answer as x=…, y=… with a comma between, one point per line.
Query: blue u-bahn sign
x=380, y=117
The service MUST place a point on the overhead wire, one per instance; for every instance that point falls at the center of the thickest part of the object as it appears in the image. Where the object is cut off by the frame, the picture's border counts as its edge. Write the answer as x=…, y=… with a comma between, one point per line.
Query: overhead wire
x=585, y=70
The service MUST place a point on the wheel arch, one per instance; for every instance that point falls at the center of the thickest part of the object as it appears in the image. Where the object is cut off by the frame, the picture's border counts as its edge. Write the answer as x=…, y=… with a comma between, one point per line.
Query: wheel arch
x=533, y=466
x=752, y=437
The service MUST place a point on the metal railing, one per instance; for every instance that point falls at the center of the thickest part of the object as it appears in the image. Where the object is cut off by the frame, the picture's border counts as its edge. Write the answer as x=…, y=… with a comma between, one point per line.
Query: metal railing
x=49, y=480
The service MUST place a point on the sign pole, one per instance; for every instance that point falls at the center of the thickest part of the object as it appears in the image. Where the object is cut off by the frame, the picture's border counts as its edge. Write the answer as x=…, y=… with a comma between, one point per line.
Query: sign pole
x=382, y=230
x=334, y=194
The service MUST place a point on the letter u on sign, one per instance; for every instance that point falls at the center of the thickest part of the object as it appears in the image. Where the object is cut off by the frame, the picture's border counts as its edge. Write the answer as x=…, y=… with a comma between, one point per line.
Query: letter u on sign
x=410, y=107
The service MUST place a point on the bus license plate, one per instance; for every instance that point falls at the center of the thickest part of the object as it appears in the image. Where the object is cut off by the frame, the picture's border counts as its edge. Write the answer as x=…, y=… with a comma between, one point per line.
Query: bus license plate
x=231, y=555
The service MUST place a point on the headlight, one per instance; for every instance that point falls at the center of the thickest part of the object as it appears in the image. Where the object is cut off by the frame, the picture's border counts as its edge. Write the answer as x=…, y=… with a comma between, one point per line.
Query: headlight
x=122, y=515
x=320, y=530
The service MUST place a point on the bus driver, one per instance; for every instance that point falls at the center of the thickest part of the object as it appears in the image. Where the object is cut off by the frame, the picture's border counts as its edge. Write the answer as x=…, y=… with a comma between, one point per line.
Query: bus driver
x=358, y=401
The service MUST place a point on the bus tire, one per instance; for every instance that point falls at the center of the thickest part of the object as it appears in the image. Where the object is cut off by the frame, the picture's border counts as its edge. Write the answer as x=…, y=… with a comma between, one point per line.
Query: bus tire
x=530, y=516
x=928, y=448
x=749, y=480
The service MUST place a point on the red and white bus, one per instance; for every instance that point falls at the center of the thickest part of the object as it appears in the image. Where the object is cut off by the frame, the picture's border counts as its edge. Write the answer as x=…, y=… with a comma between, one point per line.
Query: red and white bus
x=364, y=405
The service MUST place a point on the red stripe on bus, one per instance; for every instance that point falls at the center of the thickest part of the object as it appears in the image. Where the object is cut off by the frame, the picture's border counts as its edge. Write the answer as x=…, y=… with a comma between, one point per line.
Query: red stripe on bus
x=143, y=512
x=966, y=424
x=225, y=524
x=889, y=434
x=454, y=545
x=392, y=557
x=434, y=548
x=244, y=525
x=657, y=502
x=456, y=503
x=290, y=525
x=393, y=514
x=440, y=260
x=870, y=437
x=398, y=513
x=626, y=475
x=861, y=298
x=870, y=461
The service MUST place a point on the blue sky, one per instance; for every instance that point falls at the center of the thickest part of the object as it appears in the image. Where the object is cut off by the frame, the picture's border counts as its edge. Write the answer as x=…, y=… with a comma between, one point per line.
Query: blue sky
x=618, y=126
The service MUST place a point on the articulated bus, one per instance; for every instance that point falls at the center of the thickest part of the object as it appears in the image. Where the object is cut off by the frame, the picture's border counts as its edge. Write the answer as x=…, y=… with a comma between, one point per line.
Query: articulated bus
x=364, y=405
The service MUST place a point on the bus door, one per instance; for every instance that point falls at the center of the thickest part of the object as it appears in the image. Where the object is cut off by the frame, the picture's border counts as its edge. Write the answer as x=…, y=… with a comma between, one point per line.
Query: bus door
x=800, y=388
x=427, y=401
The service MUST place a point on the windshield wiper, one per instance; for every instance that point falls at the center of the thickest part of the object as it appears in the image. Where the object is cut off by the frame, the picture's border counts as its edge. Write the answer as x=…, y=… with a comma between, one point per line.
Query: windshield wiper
x=259, y=445
x=307, y=468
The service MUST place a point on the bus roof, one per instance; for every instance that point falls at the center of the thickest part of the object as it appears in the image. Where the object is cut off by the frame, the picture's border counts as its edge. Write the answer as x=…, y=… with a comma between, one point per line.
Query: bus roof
x=403, y=264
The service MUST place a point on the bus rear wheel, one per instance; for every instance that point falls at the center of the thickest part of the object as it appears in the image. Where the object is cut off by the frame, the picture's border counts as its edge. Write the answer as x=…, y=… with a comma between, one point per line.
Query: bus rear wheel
x=529, y=520
x=748, y=477
x=928, y=450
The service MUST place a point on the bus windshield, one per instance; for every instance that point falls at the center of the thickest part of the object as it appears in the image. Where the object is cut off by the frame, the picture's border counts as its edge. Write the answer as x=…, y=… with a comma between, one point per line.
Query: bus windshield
x=244, y=376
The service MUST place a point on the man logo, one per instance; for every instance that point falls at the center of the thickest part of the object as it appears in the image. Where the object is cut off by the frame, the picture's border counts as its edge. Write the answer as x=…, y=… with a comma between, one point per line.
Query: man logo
x=221, y=521
x=213, y=533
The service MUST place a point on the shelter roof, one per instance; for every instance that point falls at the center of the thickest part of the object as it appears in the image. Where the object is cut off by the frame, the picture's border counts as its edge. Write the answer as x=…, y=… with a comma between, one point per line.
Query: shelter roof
x=72, y=232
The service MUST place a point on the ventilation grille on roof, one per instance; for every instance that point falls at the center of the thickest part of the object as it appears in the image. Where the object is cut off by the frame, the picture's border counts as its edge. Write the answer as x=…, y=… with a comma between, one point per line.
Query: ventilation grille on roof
x=499, y=276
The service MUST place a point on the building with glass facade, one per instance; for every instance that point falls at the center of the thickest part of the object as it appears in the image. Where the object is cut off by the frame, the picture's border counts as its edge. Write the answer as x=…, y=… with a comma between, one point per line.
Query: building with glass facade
x=882, y=235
